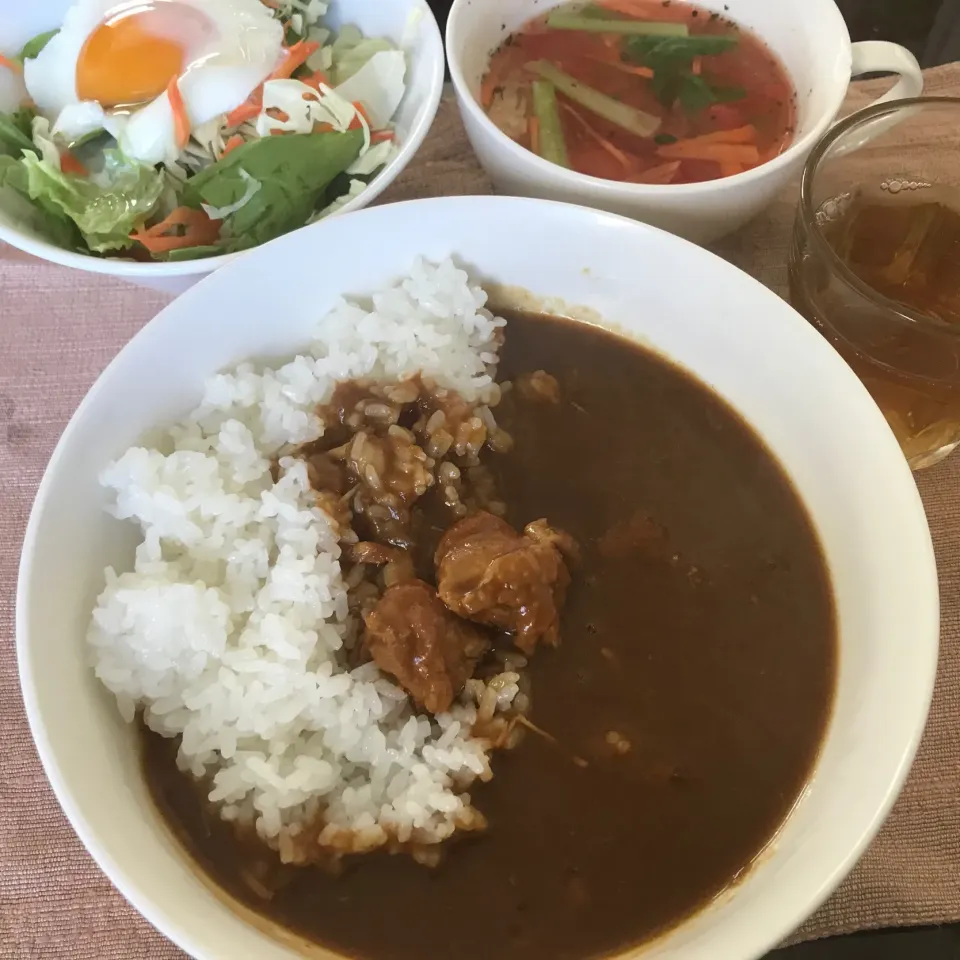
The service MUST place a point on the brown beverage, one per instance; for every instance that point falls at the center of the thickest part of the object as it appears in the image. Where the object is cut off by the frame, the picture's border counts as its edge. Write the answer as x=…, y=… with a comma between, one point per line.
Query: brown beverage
x=902, y=337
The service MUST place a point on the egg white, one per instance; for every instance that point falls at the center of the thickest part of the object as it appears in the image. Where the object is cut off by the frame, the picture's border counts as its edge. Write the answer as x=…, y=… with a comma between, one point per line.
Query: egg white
x=219, y=76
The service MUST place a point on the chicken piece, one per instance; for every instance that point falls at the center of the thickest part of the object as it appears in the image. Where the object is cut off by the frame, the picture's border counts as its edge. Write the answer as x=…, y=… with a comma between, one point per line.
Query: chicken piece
x=489, y=573
x=412, y=636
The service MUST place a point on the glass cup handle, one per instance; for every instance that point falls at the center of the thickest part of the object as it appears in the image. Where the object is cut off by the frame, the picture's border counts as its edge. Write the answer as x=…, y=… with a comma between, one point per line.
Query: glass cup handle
x=879, y=56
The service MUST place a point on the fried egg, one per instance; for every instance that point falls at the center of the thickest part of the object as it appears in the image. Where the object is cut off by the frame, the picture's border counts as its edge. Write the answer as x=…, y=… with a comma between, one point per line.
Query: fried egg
x=113, y=60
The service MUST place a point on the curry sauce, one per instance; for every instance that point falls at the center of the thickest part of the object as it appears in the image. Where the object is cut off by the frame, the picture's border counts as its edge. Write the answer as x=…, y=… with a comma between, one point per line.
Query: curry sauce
x=693, y=682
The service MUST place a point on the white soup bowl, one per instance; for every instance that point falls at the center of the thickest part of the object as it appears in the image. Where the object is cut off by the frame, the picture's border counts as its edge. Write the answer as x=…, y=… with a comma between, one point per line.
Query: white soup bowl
x=809, y=37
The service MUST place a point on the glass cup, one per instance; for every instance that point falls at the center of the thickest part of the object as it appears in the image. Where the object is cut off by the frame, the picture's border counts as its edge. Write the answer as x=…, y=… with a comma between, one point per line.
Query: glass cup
x=875, y=262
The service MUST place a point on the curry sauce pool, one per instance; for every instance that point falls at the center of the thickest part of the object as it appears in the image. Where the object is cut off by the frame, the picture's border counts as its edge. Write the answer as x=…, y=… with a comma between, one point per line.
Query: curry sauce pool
x=695, y=678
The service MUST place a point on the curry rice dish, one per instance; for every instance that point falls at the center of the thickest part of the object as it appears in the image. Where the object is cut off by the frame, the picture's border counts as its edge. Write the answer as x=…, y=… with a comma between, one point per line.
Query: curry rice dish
x=461, y=615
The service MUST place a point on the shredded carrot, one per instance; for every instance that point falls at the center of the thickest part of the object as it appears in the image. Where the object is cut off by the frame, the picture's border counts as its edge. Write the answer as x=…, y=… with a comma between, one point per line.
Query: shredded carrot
x=246, y=111
x=324, y=128
x=664, y=173
x=314, y=81
x=10, y=64
x=275, y=113
x=295, y=56
x=70, y=164
x=645, y=72
x=379, y=136
x=355, y=123
x=181, y=122
x=198, y=230
x=614, y=151
x=743, y=153
x=232, y=143
x=533, y=130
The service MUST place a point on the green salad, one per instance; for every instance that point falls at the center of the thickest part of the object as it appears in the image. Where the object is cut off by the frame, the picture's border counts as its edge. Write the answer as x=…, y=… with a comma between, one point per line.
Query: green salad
x=279, y=122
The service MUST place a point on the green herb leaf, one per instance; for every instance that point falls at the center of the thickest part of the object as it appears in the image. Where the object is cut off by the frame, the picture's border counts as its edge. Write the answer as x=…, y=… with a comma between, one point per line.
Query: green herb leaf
x=106, y=212
x=671, y=59
x=697, y=93
x=49, y=222
x=32, y=48
x=694, y=93
x=655, y=52
x=664, y=139
x=294, y=172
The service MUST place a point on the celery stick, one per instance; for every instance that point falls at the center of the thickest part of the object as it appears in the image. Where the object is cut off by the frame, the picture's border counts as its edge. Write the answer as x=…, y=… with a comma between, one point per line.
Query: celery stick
x=633, y=121
x=553, y=147
x=561, y=20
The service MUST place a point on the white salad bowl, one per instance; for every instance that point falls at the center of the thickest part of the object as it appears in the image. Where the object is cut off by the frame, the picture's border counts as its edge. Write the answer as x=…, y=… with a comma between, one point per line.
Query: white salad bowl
x=839, y=453
x=408, y=23
x=811, y=40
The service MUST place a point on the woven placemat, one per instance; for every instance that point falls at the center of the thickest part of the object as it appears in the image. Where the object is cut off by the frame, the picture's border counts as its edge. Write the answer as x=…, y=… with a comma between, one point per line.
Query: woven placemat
x=59, y=328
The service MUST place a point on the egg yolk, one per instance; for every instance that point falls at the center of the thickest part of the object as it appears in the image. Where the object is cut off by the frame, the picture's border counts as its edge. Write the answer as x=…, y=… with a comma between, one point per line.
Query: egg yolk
x=133, y=56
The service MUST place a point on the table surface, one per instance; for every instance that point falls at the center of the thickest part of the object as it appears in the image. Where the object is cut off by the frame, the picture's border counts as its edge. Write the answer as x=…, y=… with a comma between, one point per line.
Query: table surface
x=942, y=943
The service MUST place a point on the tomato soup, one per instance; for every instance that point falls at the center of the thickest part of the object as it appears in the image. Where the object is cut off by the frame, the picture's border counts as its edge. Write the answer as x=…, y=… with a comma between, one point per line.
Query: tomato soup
x=642, y=91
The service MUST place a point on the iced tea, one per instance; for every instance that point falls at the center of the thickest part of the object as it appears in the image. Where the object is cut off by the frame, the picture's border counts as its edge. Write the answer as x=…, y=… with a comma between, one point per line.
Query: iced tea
x=876, y=267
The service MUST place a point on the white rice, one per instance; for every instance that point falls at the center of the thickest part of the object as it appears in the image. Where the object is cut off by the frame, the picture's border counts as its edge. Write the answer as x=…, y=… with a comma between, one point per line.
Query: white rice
x=230, y=629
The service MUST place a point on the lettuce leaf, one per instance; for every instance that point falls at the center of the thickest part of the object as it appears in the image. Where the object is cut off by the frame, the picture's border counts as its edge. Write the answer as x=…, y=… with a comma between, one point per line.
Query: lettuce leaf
x=14, y=139
x=107, y=211
x=15, y=199
x=294, y=172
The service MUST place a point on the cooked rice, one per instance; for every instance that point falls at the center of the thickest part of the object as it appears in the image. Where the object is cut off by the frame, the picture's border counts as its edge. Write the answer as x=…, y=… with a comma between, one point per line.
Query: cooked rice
x=231, y=630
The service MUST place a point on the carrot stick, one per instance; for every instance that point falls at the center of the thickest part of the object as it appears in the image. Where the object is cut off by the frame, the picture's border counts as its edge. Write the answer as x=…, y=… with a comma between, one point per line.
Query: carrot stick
x=614, y=151
x=645, y=72
x=746, y=154
x=662, y=174
x=181, y=122
x=379, y=136
x=232, y=143
x=730, y=169
x=642, y=9
x=70, y=164
x=489, y=87
x=744, y=134
x=10, y=64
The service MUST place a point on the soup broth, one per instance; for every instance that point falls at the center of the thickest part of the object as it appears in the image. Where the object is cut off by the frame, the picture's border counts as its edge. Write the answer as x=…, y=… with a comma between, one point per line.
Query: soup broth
x=642, y=91
x=675, y=724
